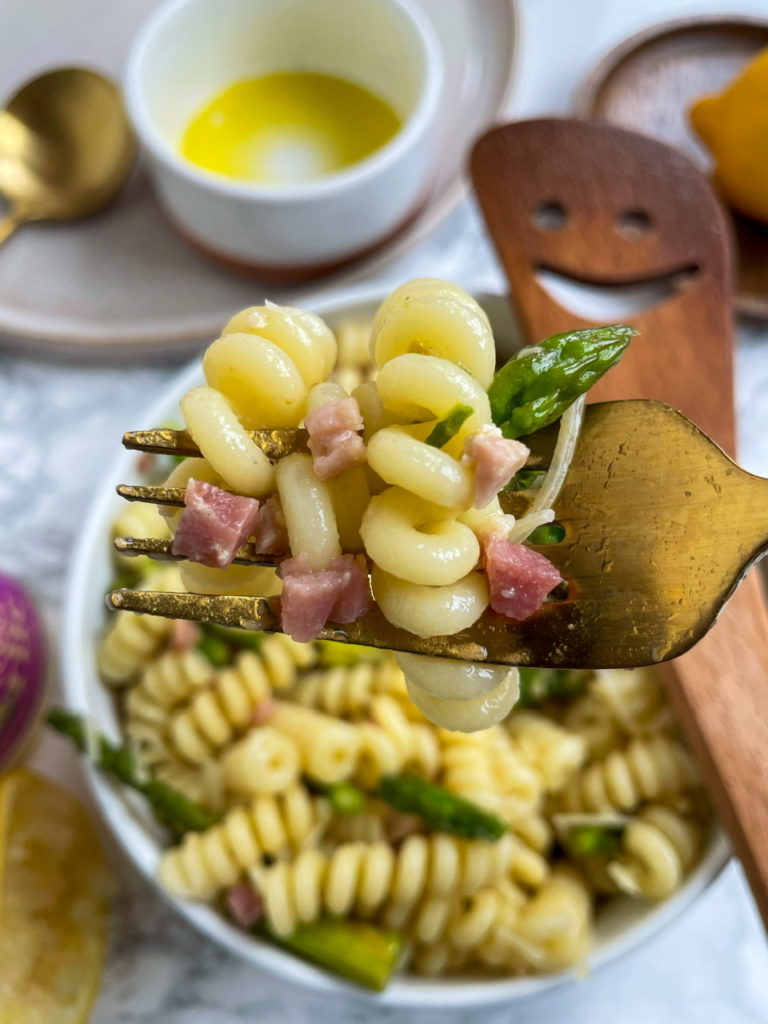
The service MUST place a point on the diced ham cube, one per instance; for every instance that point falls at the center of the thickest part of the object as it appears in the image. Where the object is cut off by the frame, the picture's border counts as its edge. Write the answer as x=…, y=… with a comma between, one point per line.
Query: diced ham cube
x=214, y=524
x=270, y=536
x=263, y=711
x=495, y=460
x=309, y=598
x=245, y=904
x=334, y=438
x=184, y=635
x=519, y=579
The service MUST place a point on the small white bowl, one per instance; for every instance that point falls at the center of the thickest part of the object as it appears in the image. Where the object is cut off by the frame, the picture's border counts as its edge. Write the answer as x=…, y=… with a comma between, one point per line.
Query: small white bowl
x=192, y=49
x=621, y=929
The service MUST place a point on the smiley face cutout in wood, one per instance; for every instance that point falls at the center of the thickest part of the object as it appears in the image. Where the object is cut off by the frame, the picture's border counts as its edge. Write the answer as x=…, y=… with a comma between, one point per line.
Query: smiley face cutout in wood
x=587, y=208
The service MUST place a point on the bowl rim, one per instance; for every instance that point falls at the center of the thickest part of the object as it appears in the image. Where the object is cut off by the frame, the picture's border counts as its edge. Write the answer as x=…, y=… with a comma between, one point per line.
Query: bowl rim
x=424, y=114
x=142, y=848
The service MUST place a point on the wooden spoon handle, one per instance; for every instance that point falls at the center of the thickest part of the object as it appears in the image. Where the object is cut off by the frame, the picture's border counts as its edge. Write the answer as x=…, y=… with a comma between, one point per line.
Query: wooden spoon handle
x=556, y=194
x=719, y=691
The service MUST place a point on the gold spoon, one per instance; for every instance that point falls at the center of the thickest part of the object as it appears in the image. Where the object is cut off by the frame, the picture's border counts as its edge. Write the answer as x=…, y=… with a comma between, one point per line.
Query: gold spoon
x=65, y=147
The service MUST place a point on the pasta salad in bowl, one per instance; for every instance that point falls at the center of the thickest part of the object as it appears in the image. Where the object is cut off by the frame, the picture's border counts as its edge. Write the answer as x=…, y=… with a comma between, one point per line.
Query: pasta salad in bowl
x=320, y=808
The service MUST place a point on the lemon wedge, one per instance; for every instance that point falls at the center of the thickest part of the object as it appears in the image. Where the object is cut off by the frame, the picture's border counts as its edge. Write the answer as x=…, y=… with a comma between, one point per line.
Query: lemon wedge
x=54, y=889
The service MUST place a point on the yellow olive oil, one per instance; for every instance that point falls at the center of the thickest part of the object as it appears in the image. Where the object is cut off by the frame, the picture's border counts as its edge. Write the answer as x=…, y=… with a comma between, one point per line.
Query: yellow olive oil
x=287, y=128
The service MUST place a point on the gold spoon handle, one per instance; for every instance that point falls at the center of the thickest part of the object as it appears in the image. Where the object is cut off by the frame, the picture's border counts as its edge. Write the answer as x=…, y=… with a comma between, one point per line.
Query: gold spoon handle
x=9, y=223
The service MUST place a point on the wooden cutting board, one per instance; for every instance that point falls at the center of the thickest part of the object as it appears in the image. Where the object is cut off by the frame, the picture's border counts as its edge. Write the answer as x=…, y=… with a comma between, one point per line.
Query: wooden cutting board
x=606, y=207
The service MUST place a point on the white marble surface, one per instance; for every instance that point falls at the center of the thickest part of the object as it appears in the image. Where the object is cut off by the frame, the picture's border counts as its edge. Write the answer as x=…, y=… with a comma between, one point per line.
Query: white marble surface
x=59, y=426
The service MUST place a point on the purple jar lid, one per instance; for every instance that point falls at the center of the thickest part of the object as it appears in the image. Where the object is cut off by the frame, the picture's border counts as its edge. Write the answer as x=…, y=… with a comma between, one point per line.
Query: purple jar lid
x=22, y=666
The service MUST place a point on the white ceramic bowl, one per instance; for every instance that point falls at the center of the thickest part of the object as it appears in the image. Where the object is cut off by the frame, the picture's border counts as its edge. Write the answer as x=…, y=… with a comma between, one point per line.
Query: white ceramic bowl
x=192, y=49
x=619, y=931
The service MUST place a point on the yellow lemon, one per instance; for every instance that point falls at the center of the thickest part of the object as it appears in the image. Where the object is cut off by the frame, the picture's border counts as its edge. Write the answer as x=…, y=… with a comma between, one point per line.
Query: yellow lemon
x=734, y=126
x=54, y=888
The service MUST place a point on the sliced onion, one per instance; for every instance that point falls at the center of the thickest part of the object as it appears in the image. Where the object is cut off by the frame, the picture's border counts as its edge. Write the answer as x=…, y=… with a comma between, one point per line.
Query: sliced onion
x=22, y=667
x=540, y=511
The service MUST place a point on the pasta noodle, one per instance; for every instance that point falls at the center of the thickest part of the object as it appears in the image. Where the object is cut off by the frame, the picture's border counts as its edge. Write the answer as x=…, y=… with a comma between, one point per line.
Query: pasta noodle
x=328, y=748
x=258, y=374
x=130, y=643
x=206, y=862
x=167, y=681
x=645, y=769
x=265, y=760
x=348, y=692
x=224, y=709
x=657, y=848
x=550, y=750
x=390, y=743
x=373, y=877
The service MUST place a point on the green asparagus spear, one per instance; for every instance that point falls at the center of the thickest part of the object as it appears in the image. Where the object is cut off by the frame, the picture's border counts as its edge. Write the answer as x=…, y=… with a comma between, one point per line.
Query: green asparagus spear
x=216, y=650
x=547, y=533
x=250, y=638
x=525, y=479
x=538, y=685
x=355, y=950
x=342, y=796
x=585, y=840
x=530, y=392
x=450, y=425
x=442, y=810
x=169, y=806
x=333, y=653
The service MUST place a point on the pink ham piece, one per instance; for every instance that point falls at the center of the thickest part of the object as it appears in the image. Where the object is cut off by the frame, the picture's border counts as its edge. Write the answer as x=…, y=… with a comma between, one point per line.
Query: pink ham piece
x=270, y=536
x=263, y=711
x=309, y=599
x=519, y=579
x=245, y=904
x=495, y=459
x=334, y=440
x=184, y=635
x=214, y=524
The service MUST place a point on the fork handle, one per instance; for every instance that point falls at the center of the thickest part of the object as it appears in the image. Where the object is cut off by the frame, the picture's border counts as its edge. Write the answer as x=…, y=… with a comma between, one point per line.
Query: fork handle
x=720, y=693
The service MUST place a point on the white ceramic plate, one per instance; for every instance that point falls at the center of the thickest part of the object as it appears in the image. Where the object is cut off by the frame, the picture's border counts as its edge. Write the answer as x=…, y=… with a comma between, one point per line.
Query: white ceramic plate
x=624, y=928
x=124, y=282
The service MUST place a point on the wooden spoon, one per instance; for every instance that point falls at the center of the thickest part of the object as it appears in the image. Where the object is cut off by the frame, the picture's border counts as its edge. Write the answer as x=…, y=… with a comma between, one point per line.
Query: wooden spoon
x=604, y=206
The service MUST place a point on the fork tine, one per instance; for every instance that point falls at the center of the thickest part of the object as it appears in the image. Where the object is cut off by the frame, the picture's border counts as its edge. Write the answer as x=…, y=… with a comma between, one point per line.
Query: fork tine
x=173, y=496
x=165, y=441
x=160, y=550
x=492, y=640
x=277, y=443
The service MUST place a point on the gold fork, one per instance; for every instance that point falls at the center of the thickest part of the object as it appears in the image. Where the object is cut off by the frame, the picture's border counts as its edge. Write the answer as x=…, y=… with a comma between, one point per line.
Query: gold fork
x=660, y=527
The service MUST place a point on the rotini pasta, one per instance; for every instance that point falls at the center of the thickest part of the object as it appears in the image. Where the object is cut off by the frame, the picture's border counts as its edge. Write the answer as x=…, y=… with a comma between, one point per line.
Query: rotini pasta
x=645, y=769
x=328, y=748
x=390, y=743
x=348, y=692
x=550, y=750
x=218, y=713
x=204, y=863
x=264, y=761
x=129, y=644
x=167, y=681
x=657, y=848
x=374, y=878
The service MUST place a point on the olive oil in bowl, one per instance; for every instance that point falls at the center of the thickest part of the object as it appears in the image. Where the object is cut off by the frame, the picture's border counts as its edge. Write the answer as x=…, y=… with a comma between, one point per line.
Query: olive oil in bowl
x=288, y=128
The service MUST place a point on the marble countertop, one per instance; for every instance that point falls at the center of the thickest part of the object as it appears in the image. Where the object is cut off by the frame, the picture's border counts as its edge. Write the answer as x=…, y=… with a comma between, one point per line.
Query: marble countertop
x=58, y=429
